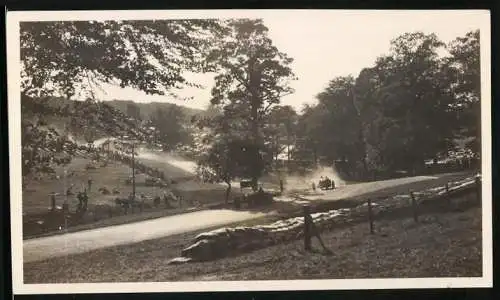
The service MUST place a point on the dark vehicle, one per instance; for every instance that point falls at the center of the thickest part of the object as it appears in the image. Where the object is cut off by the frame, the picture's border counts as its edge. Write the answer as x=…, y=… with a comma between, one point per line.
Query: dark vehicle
x=326, y=184
x=245, y=184
x=255, y=199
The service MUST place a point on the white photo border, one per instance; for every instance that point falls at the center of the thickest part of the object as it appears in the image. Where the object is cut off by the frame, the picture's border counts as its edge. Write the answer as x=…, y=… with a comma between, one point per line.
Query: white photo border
x=13, y=18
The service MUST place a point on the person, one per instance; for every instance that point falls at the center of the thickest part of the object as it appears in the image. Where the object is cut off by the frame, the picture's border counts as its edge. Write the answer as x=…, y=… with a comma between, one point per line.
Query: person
x=53, y=202
x=157, y=201
x=69, y=191
x=321, y=182
x=85, y=200
x=65, y=207
x=281, y=185
x=327, y=182
x=142, y=201
x=165, y=200
x=79, y=196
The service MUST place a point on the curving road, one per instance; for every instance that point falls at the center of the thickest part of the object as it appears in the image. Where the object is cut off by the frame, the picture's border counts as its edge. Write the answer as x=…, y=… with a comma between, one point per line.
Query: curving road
x=84, y=241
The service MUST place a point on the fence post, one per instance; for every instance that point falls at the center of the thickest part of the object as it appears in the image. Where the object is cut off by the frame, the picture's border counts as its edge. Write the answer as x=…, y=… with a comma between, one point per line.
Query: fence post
x=478, y=188
x=307, y=229
x=370, y=215
x=414, y=206
x=52, y=202
x=447, y=195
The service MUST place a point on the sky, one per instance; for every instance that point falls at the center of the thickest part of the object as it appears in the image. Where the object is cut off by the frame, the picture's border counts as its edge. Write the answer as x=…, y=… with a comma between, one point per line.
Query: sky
x=325, y=45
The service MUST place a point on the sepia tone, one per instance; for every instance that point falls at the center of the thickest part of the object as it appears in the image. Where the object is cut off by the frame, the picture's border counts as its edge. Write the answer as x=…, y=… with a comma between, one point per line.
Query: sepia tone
x=378, y=176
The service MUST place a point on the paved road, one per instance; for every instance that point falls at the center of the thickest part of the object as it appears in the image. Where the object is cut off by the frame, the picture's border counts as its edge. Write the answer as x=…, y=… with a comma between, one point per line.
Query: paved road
x=84, y=241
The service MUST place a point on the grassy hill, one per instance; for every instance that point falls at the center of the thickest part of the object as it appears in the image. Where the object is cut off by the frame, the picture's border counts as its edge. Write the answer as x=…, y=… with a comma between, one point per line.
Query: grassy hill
x=80, y=119
x=54, y=132
x=147, y=109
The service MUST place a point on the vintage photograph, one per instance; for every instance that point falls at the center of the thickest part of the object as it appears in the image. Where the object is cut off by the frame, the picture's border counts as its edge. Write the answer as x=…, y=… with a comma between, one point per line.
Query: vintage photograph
x=254, y=146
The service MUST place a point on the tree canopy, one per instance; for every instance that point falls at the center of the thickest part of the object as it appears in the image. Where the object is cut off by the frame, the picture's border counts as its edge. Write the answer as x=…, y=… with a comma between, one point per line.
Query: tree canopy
x=170, y=127
x=149, y=55
x=412, y=105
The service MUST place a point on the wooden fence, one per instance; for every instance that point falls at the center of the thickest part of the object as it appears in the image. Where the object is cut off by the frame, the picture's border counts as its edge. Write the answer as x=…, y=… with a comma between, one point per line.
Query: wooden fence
x=310, y=229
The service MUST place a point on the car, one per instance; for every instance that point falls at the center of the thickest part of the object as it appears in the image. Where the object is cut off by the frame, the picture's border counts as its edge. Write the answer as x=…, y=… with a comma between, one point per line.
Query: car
x=326, y=184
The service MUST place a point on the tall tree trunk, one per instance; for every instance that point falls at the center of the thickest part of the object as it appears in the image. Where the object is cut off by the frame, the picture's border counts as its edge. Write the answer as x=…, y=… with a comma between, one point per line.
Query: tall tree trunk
x=254, y=77
x=288, y=150
x=256, y=141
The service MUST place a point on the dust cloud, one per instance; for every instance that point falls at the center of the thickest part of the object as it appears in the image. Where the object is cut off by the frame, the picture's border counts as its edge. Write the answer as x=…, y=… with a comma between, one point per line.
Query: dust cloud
x=294, y=182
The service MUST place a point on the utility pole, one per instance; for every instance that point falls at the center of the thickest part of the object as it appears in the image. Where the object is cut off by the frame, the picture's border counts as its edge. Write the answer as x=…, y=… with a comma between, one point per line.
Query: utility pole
x=133, y=171
x=65, y=186
x=65, y=204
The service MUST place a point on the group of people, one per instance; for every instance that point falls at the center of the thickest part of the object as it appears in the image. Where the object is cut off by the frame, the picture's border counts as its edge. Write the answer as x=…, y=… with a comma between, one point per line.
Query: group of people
x=167, y=196
x=325, y=183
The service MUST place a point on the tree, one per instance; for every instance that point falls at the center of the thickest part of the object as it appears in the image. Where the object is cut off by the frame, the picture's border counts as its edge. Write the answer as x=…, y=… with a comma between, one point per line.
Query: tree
x=371, y=118
x=61, y=58
x=414, y=97
x=397, y=113
x=310, y=131
x=32, y=140
x=169, y=123
x=134, y=111
x=252, y=77
x=151, y=56
x=281, y=126
x=403, y=105
x=340, y=137
x=465, y=82
x=225, y=154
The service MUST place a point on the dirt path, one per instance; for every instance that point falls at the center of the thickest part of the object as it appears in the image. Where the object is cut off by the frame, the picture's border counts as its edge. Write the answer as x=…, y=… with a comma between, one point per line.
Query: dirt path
x=351, y=190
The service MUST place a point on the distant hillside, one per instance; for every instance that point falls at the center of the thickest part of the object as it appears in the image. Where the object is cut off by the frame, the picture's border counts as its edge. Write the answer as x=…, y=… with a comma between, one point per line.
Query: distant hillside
x=146, y=109
x=53, y=128
x=81, y=119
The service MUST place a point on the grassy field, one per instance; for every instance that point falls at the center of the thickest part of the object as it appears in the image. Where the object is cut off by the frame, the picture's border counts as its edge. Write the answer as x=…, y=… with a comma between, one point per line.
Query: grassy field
x=36, y=197
x=444, y=243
